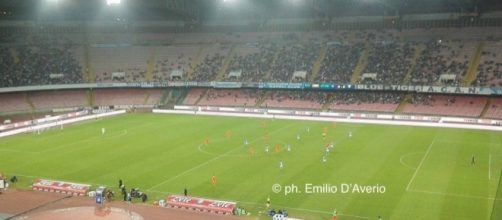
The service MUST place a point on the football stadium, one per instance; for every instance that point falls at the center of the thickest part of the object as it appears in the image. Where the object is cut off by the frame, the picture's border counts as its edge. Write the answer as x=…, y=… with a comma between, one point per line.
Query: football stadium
x=251, y=109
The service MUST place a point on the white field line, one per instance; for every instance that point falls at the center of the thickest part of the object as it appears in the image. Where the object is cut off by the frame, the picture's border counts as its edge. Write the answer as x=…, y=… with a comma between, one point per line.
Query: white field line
x=209, y=161
x=97, y=137
x=406, y=155
x=454, y=195
x=419, y=165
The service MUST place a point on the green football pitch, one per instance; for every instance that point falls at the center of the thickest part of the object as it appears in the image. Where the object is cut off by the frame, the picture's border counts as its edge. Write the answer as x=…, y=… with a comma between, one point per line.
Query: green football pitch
x=397, y=172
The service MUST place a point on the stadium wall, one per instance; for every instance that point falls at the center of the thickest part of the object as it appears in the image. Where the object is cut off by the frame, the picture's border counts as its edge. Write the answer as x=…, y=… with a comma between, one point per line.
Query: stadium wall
x=496, y=91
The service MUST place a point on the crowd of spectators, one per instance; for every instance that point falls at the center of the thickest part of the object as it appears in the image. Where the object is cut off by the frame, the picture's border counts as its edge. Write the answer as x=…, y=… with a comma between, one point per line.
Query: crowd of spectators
x=339, y=63
x=390, y=61
x=39, y=65
x=421, y=99
x=33, y=62
x=429, y=100
x=7, y=36
x=208, y=68
x=439, y=58
x=131, y=75
x=254, y=66
x=300, y=57
x=7, y=68
x=165, y=66
x=490, y=75
x=490, y=69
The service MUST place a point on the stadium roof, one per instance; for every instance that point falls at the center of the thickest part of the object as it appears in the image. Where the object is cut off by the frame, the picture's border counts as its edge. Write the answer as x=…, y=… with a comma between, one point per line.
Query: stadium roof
x=232, y=9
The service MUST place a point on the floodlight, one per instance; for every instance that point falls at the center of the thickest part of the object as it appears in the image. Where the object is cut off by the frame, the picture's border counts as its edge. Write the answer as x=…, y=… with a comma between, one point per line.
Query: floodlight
x=112, y=2
x=295, y=2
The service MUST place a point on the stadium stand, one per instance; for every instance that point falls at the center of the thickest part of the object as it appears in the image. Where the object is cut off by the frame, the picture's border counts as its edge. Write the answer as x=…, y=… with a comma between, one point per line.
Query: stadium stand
x=298, y=57
x=18, y=118
x=154, y=96
x=254, y=53
x=490, y=67
x=261, y=56
x=104, y=38
x=123, y=64
x=323, y=61
x=45, y=100
x=443, y=63
x=390, y=61
x=174, y=58
x=296, y=99
x=208, y=68
x=13, y=102
x=106, y=97
x=469, y=106
x=366, y=101
x=494, y=109
x=39, y=65
x=226, y=97
x=253, y=61
x=193, y=96
x=339, y=63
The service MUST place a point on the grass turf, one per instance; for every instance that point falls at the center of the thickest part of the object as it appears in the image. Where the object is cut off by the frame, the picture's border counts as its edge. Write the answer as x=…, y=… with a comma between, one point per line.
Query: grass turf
x=426, y=172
